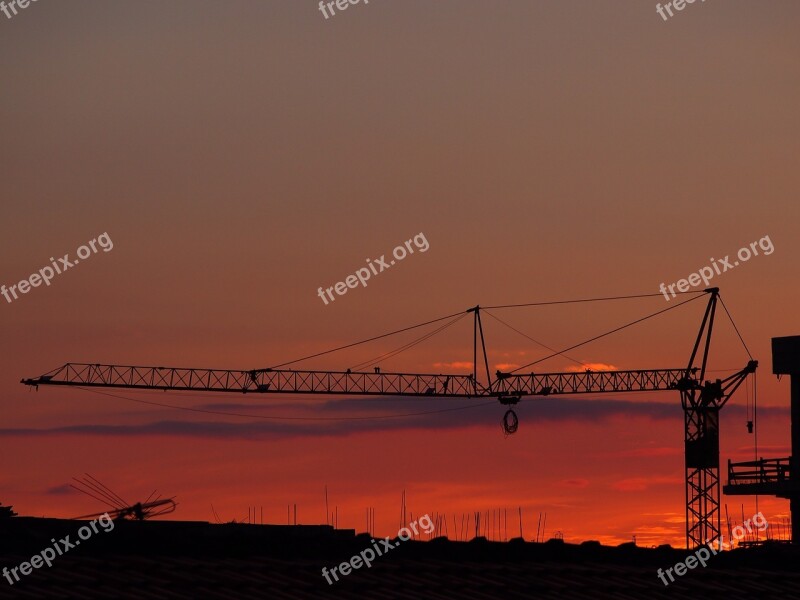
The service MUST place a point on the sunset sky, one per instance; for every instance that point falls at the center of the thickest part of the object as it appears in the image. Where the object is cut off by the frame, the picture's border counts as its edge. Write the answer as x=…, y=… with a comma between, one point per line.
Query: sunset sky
x=240, y=155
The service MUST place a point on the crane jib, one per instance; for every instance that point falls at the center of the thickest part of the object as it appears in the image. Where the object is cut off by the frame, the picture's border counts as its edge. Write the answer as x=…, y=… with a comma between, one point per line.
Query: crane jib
x=289, y=381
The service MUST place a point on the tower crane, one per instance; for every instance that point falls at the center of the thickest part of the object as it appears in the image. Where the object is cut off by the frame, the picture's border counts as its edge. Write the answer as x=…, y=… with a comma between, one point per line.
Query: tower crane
x=701, y=399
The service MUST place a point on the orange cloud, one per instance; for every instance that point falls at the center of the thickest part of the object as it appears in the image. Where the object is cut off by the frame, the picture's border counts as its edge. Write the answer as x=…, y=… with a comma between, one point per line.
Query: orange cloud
x=457, y=365
x=574, y=483
x=640, y=484
x=591, y=367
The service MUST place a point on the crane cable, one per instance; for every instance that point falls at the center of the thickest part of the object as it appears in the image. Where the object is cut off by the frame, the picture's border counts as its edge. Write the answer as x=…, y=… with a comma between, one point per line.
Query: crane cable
x=579, y=300
x=752, y=406
x=395, y=352
x=575, y=360
x=607, y=333
x=548, y=303
x=372, y=339
x=741, y=339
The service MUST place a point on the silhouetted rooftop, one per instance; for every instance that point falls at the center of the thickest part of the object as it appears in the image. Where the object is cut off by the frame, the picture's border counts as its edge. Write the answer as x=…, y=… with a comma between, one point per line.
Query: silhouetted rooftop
x=190, y=560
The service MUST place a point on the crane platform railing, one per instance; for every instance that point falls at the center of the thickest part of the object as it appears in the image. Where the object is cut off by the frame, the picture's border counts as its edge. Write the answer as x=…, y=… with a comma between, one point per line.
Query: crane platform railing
x=765, y=470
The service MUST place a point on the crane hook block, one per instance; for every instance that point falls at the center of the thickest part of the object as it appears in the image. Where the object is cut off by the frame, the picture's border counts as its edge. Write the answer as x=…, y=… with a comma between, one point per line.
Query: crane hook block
x=508, y=400
x=510, y=422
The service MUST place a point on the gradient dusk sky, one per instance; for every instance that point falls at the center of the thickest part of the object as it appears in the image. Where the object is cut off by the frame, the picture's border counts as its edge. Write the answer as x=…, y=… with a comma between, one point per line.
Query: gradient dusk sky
x=242, y=154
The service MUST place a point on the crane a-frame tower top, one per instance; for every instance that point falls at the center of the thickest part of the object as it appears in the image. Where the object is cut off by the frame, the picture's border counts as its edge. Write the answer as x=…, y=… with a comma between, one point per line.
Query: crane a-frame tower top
x=701, y=399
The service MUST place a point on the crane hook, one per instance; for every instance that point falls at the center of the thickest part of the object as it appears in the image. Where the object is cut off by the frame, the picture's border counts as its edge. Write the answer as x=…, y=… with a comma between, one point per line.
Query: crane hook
x=510, y=422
